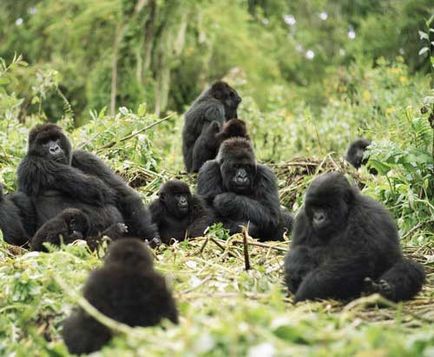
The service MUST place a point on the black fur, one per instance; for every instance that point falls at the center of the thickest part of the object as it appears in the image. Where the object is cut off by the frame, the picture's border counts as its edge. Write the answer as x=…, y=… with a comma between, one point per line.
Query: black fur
x=179, y=214
x=126, y=289
x=356, y=152
x=17, y=218
x=242, y=191
x=46, y=175
x=209, y=141
x=345, y=244
x=217, y=104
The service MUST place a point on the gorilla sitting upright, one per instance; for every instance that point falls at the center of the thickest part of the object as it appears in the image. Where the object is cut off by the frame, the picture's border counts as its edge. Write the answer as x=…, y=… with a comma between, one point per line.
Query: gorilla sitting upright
x=218, y=104
x=56, y=179
x=345, y=244
x=242, y=191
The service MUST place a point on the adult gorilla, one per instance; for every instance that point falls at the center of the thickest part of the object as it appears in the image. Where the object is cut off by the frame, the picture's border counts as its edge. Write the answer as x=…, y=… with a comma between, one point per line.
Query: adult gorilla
x=218, y=103
x=242, y=191
x=47, y=176
x=345, y=244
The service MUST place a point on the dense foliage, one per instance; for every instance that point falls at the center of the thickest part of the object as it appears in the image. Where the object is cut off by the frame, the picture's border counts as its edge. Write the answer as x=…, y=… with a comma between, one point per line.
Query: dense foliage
x=313, y=75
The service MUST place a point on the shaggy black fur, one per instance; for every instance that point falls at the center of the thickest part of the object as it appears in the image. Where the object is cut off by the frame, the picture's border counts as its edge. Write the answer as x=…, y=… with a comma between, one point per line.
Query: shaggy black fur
x=126, y=289
x=179, y=214
x=345, y=244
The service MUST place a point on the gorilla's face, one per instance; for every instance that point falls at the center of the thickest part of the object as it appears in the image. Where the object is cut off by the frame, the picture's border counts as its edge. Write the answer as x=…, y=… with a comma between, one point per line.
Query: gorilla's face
x=52, y=146
x=238, y=177
x=228, y=97
x=77, y=223
x=176, y=201
x=327, y=204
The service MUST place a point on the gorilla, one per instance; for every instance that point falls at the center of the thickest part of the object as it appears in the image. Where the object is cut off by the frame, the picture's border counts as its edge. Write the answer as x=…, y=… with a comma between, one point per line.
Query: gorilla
x=17, y=218
x=179, y=214
x=346, y=244
x=68, y=226
x=210, y=139
x=241, y=191
x=356, y=152
x=219, y=103
x=126, y=289
x=56, y=178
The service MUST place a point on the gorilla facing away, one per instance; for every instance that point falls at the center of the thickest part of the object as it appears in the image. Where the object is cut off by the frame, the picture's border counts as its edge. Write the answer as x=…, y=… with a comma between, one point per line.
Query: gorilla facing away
x=56, y=178
x=179, y=214
x=17, y=217
x=241, y=191
x=218, y=104
x=209, y=141
x=126, y=289
x=68, y=226
x=356, y=152
x=345, y=244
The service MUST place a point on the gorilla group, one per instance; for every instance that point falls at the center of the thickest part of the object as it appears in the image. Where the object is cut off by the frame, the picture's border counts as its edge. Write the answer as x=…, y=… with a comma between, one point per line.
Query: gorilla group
x=243, y=192
x=345, y=244
x=57, y=178
x=217, y=104
x=126, y=289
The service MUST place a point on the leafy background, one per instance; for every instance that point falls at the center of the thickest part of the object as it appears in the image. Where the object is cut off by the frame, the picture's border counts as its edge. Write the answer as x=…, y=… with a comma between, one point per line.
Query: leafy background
x=313, y=74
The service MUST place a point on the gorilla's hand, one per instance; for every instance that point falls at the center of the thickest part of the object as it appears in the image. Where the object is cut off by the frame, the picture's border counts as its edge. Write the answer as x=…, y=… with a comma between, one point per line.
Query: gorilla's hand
x=224, y=205
x=99, y=193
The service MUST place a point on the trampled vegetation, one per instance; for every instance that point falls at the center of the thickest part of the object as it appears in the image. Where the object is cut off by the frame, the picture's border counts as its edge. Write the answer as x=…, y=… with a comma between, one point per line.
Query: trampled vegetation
x=313, y=75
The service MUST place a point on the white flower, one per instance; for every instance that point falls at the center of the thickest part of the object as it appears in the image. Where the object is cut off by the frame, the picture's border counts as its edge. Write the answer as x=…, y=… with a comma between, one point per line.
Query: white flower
x=19, y=21
x=310, y=54
x=289, y=20
x=323, y=16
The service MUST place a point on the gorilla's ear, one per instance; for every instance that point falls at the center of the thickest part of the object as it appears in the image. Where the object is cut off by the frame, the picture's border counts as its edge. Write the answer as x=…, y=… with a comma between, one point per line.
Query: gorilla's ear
x=218, y=90
x=162, y=196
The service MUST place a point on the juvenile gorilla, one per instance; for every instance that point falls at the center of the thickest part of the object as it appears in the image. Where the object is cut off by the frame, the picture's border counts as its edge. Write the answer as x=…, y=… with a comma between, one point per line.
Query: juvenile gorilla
x=356, y=151
x=70, y=225
x=179, y=214
x=209, y=141
x=242, y=191
x=345, y=244
x=218, y=104
x=17, y=218
x=126, y=289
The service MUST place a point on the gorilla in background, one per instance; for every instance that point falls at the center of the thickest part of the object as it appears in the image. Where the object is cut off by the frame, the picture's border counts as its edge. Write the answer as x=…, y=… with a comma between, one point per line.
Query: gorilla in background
x=56, y=179
x=210, y=139
x=241, y=191
x=219, y=103
x=126, y=289
x=179, y=214
x=345, y=244
x=17, y=218
x=70, y=225
x=356, y=151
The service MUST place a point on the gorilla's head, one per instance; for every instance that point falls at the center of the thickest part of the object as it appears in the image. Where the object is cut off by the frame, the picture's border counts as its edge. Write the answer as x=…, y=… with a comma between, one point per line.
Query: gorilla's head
x=328, y=202
x=228, y=96
x=129, y=253
x=235, y=128
x=49, y=142
x=175, y=196
x=356, y=152
x=77, y=222
x=237, y=165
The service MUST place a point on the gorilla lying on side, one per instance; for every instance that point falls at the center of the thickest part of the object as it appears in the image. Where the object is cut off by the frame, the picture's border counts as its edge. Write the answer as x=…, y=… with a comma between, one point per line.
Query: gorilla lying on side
x=356, y=152
x=179, y=214
x=209, y=141
x=217, y=104
x=242, y=191
x=345, y=244
x=70, y=225
x=126, y=289
x=17, y=217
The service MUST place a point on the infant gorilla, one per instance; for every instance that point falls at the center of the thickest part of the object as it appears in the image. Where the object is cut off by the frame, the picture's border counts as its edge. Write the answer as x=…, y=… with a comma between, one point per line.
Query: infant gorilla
x=68, y=226
x=126, y=289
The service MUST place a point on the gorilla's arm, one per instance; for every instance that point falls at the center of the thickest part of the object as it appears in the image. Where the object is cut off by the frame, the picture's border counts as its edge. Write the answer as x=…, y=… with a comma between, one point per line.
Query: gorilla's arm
x=206, y=145
x=209, y=181
x=201, y=218
x=263, y=208
x=129, y=203
x=298, y=263
x=157, y=212
x=38, y=175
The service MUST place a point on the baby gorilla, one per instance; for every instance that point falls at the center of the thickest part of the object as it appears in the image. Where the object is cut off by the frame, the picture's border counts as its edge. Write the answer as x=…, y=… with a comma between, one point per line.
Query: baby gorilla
x=68, y=226
x=208, y=143
x=126, y=289
x=345, y=244
x=179, y=214
x=356, y=152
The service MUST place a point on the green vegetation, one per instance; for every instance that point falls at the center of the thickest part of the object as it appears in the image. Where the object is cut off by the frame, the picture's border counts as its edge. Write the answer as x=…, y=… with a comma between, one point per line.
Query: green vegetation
x=108, y=70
